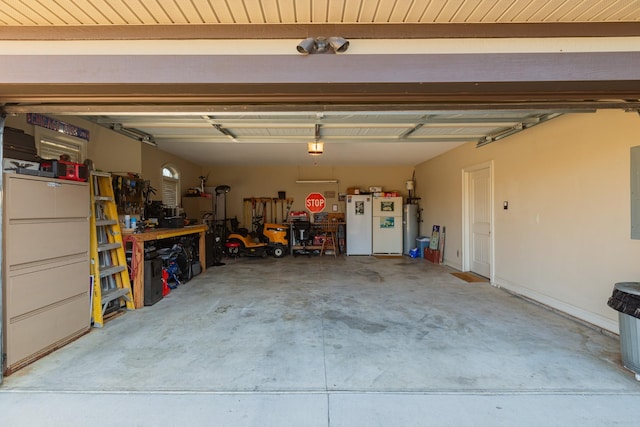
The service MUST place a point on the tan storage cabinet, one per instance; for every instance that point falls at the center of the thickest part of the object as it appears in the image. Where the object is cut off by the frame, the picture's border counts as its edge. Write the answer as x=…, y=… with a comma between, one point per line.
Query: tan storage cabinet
x=46, y=266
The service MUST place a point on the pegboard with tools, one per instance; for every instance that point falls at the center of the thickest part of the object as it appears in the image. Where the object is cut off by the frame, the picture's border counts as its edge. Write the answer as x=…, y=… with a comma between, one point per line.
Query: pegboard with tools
x=128, y=194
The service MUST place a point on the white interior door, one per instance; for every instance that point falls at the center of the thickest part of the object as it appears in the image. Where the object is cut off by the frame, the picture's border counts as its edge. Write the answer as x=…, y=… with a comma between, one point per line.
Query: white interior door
x=479, y=221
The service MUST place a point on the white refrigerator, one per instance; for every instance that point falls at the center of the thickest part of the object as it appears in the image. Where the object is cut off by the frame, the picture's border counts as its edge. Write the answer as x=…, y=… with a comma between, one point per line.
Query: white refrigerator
x=358, y=224
x=387, y=225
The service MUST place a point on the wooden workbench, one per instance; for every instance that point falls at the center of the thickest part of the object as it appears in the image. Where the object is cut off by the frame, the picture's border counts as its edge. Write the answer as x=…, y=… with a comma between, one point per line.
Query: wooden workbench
x=137, y=256
x=317, y=228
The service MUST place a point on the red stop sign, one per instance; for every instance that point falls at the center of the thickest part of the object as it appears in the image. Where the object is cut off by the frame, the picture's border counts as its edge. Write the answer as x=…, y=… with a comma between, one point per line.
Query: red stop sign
x=315, y=202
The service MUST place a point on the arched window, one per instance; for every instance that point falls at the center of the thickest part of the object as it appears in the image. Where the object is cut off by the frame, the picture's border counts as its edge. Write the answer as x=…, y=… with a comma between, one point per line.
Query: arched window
x=170, y=186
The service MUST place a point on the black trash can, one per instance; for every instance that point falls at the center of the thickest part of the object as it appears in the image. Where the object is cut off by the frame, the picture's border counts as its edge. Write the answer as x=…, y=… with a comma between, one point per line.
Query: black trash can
x=626, y=300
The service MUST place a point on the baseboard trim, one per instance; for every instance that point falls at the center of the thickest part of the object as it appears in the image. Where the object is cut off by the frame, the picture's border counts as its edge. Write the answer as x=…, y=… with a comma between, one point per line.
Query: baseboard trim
x=455, y=265
x=581, y=315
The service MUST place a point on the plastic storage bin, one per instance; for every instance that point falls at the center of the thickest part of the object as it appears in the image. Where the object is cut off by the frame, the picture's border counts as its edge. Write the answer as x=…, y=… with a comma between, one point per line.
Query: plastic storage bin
x=626, y=300
x=422, y=243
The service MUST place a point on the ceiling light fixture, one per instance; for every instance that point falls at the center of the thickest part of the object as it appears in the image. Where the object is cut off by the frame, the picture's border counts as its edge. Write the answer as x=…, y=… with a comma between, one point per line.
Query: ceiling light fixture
x=323, y=45
x=316, y=181
x=315, y=148
x=133, y=134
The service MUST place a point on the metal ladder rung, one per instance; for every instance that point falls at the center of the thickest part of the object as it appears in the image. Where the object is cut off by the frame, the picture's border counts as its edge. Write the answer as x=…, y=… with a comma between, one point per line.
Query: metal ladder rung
x=103, y=222
x=103, y=199
x=108, y=246
x=114, y=294
x=108, y=271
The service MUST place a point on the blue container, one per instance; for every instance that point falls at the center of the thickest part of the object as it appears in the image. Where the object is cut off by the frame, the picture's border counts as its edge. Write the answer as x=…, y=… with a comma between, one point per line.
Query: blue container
x=422, y=243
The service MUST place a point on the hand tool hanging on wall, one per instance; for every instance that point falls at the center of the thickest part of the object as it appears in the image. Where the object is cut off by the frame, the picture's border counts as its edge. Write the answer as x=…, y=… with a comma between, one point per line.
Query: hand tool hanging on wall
x=289, y=204
x=264, y=211
x=281, y=206
x=117, y=186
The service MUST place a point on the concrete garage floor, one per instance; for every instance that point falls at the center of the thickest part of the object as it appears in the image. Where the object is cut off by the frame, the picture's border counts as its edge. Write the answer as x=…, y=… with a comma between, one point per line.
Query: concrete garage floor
x=353, y=341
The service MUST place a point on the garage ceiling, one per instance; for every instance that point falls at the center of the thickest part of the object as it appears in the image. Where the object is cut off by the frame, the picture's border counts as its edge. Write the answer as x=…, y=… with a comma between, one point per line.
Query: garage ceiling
x=278, y=135
x=349, y=137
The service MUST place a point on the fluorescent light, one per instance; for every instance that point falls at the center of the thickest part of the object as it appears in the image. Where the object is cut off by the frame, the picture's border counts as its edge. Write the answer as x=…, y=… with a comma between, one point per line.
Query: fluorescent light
x=316, y=181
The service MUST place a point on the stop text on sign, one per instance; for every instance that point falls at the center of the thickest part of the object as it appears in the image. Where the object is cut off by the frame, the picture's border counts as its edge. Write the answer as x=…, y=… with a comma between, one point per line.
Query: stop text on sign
x=315, y=202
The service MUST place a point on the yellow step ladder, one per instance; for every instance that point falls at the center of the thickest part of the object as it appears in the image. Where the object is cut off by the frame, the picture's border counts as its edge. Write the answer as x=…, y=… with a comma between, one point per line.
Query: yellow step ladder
x=112, y=287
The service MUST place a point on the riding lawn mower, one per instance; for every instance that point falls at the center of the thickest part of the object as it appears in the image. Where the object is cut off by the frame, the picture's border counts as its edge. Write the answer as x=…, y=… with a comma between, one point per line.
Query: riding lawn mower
x=268, y=239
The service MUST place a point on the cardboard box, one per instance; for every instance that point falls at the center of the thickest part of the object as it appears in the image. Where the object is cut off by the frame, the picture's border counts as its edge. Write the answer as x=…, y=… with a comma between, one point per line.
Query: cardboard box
x=432, y=255
x=353, y=191
x=321, y=217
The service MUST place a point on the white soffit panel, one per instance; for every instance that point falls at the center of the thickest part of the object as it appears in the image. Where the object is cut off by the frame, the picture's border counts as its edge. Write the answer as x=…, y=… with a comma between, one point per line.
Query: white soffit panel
x=177, y=12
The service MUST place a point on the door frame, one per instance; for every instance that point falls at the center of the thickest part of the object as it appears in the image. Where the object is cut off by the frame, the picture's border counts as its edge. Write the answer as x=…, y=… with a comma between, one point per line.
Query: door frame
x=466, y=232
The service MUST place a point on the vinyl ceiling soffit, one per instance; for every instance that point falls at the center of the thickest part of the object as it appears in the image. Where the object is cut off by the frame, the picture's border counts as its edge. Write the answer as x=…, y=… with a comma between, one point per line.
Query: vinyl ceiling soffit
x=81, y=13
x=259, y=19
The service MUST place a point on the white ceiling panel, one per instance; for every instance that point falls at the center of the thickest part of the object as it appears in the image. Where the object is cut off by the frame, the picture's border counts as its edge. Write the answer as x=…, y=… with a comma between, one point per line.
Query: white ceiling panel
x=133, y=11
x=174, y=12
x=103, y=12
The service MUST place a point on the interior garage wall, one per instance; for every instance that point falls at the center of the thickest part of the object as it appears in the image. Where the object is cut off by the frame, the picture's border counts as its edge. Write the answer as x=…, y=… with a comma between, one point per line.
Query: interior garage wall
x=110, y=151
x=565, y=239
x=266, y=181
x=153, y=160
